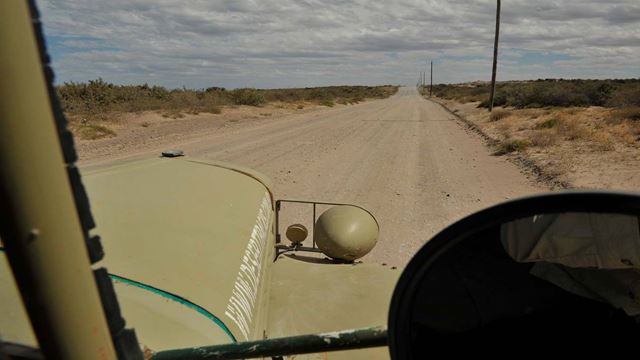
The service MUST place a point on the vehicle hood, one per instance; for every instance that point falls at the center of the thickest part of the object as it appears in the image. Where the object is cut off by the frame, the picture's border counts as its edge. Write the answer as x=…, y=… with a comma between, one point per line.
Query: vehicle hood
x=179, y=236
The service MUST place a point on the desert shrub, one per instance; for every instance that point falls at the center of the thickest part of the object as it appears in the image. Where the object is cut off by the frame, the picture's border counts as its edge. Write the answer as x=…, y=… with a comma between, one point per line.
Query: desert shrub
x=327, y=102
x=509, y=146
x=214, y=89
x=339, y=94
x=213, y=109
x=542, y=94
x=97, y=97
x=548, y=92
x=630, y=113
x=247, y=97
x=627, y=95
x=499, y=114
x=500, y=99
x=463, y=93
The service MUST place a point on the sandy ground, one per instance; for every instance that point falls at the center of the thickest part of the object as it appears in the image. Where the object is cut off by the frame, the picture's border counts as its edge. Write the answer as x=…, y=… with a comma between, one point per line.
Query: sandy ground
x=592, y=153
x=404, y=158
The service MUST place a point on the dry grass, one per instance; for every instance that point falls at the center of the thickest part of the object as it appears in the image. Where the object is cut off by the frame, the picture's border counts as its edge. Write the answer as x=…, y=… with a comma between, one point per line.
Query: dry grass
x=532, y=113
x=602, y=140
x=505, y=129
x=543, y=138
x=510, y=146
x=572, y=129
x=102, y=102
x=627, y=132
x=599, y=129
x=579, y=146
x=548, y=124
x=499, y=114
x=93, y=132
x=599, y=113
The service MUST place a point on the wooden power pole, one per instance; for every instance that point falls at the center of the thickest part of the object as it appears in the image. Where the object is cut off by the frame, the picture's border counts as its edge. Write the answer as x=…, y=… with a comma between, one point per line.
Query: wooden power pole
x=431, y=86
x=495, y=59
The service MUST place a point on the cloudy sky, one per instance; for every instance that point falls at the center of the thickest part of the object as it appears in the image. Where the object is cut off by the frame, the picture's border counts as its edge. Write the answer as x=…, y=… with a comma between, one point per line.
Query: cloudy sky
x=291, y=43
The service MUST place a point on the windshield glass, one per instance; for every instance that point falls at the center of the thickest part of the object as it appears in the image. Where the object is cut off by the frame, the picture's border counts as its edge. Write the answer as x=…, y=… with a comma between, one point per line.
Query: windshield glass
x=259, y=169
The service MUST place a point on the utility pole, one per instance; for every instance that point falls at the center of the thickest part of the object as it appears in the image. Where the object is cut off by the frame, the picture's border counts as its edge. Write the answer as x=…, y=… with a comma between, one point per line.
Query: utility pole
x=495, y=59
x=431, y=87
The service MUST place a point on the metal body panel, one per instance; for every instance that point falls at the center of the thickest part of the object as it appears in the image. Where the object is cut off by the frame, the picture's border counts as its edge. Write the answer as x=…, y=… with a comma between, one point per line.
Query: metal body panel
x=163, y=322
x=191, y=247
x=197, y=232
x=311, y=295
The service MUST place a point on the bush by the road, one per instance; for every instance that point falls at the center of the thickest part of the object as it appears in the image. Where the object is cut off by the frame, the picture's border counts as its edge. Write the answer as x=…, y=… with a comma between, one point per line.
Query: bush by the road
x=97, y=97
x=247, y=97
x=546, y=93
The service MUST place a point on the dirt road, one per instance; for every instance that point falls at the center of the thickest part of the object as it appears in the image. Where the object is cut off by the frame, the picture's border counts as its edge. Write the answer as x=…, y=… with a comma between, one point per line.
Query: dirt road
x=404, y=158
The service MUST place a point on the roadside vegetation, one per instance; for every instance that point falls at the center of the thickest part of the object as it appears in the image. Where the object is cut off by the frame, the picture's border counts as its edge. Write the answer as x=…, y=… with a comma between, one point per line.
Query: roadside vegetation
x=92, y=106
x=545, y=93
x=556, y=123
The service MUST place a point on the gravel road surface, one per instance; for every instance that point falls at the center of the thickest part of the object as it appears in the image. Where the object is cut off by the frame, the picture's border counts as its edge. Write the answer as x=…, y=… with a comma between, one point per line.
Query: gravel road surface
x=404, y=158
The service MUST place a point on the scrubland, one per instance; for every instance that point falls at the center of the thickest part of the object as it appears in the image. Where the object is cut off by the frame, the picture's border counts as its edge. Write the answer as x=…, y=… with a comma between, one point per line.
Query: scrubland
x=575, y=133
x=96, y=109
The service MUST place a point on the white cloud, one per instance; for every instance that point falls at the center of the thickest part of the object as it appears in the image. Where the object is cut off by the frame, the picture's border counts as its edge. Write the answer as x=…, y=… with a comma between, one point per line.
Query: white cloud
x=284, y=43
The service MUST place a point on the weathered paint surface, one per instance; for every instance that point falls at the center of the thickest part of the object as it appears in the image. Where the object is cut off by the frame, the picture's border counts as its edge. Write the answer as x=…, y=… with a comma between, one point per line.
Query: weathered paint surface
x=176, y=232
x=120, y=284
x=186, y=227
x=310, y=295
x=241, y=305
x=196, y=242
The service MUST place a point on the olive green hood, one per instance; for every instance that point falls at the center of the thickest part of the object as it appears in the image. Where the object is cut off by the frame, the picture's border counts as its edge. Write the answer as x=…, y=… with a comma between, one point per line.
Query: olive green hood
x=190, y=248
x=186, y=245
x=186, y=242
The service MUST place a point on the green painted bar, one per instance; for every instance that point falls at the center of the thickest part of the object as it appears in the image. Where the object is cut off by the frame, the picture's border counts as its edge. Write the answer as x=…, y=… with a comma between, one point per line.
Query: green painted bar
x=303, y=344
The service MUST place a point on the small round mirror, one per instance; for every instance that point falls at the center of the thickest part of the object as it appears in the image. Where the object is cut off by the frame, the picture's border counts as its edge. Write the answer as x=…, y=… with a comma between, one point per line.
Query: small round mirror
x=297, y=233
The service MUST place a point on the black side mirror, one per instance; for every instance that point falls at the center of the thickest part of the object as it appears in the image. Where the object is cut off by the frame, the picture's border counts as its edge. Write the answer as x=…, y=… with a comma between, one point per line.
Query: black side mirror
x=557, y=273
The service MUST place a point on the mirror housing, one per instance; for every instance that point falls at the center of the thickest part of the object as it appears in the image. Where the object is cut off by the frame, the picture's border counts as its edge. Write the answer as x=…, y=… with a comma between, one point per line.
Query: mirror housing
x=467, y=287
x=297, y=233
